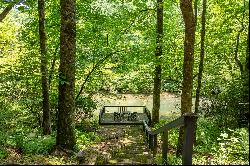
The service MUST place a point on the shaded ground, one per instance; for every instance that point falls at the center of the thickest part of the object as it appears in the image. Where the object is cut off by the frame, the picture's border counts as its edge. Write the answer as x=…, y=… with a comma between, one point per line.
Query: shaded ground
x=121, y=145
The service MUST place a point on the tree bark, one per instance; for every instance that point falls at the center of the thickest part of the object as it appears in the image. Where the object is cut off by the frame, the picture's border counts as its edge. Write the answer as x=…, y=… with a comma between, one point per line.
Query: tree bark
x=65, y=138
x=195, y=11
x=202, y=53
x=158, y=54
x=238, y=62
x=44, y=71
x=187, y=84
x=247, y=52
x=6, y=11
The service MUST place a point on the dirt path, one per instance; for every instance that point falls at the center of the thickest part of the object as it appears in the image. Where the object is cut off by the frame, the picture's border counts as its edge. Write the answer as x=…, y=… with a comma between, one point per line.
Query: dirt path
x=122, y=145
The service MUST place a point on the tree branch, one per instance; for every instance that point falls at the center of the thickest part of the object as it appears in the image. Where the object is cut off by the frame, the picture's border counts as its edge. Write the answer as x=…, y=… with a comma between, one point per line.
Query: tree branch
x=236, y=52
x=93, y=69
x=6, y=11
x=52, y=69
x=110, y=54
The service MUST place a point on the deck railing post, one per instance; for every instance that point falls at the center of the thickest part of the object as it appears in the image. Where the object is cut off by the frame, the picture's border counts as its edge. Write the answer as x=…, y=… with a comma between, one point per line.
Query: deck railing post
x=154, y=148
x=150, y=141
x=189, y=121
x=146, y=133
x=164, y=147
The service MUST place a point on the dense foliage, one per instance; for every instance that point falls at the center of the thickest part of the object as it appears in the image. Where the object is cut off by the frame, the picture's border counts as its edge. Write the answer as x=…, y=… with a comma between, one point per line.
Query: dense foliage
x=115, y=54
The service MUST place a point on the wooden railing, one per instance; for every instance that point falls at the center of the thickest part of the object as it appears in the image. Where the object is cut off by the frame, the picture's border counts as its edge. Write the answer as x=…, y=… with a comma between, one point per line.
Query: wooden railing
x=188, y=121
x=124, y=109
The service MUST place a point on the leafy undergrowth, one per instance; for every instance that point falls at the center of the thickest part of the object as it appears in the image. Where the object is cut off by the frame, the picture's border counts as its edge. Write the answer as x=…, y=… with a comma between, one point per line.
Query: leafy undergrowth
x=215, y=146
x=107, y=145
x=123, y=145
x=27, y=146
x=39, y=150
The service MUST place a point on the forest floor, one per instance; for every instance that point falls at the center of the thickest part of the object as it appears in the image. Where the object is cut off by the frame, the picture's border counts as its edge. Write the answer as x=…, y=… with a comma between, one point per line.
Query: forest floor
x=120, y=145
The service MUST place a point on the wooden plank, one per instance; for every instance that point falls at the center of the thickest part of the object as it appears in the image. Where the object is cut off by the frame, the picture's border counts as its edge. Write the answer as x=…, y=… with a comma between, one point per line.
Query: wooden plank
x=154, y=145
x=120, y=123
x=176, y=123
x=150, y=141
x=123, y=106
x=164, y=139
x=109, y=118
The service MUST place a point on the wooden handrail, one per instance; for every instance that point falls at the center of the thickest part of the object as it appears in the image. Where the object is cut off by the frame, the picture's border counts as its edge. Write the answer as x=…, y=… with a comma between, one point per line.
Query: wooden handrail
x=123, y=106
x=176, y=123
x=187, y=120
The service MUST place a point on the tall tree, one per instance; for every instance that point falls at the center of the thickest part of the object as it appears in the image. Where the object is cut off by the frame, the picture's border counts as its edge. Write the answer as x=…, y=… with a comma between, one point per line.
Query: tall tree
x=202, y=53
x=45, y=84
x=157, y=72
x=187, y=84
x=247, y=53
x=8, y=9
x=65, y=138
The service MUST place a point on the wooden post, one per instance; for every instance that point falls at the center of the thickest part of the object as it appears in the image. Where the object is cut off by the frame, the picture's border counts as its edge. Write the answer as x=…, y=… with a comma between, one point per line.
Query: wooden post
x=150, y=142
x=164, y=147
x=154, y=145
x=189, y=122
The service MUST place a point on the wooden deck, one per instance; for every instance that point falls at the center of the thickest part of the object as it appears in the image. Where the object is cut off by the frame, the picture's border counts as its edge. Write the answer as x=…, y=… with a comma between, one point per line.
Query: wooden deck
x=107, y=115
x=108, y=119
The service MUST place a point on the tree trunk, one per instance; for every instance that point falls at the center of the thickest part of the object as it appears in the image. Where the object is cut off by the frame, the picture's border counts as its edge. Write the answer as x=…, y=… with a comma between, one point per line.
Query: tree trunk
x=247, y=53
x=187, y=84
x=158, y=54
x=45, y=85
x=6, y=11
x=65, y=138
x=197, y=97
x=238, y=62
x=195, y=11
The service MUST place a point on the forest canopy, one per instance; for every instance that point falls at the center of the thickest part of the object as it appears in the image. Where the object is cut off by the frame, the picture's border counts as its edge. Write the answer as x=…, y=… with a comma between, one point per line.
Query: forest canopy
x=57, y=55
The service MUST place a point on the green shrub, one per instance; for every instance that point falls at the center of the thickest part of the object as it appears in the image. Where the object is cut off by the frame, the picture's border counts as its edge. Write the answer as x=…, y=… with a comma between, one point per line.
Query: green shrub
x=173, y=134
x=171, y=160
x=84, y=139
x=3, y=153
x=39, y=145
x=229, y=106
x=206, y=135
x=233, y=145
x=85, y=107
x=88, y=125
x=34, y=144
